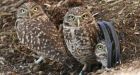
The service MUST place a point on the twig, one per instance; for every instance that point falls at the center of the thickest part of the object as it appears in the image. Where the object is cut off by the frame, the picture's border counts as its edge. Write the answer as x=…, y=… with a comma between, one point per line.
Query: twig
x=116, y=2
x=135, y=25
x=120, y=12
x=5, y=14
x=7, y=33
x=12, y=7
x=124, y=48
x=137, y=33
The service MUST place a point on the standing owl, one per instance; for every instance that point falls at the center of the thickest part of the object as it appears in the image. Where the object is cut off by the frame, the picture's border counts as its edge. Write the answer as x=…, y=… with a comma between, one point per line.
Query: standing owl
x=35, y=31
x=80, y=33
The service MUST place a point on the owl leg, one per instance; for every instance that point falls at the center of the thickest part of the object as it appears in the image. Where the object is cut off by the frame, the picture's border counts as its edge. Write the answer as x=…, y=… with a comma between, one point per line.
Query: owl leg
x=103, y=69
x=41, y=58
x=60, y=28
x=83, y=69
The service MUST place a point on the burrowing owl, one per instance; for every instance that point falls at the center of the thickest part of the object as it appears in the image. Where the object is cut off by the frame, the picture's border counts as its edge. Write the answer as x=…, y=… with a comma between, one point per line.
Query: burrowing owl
x=35, y=30
x=80, y=33
x=101, y=53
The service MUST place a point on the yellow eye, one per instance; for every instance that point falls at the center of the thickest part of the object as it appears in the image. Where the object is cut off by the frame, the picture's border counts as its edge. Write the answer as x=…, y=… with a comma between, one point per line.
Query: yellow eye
x=36, y=9
x=85, y=16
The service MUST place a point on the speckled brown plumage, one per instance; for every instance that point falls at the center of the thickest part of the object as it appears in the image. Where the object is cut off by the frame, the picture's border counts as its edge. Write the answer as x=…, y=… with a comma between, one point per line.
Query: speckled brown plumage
x=80, y=33
x=35, y=30
x=81, y=38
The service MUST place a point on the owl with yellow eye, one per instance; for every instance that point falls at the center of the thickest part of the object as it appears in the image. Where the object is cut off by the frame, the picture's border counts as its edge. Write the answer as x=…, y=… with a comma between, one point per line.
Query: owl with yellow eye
x=80, y=32
x=38, y=33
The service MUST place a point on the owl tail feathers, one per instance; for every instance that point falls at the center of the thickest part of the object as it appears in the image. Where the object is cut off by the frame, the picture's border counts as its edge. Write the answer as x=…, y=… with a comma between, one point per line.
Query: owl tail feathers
x=67, y=62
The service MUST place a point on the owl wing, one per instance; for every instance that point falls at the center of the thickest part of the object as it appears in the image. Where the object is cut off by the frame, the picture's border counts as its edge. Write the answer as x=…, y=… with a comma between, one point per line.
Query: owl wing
x=58, y=41
x=52, y=45
x=92, y=32
x=51, y=42
x=42, y=37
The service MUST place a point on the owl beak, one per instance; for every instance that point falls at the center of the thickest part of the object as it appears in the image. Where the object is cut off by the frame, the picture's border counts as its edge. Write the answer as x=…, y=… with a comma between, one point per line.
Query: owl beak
x=30, y=14
x=78, y=22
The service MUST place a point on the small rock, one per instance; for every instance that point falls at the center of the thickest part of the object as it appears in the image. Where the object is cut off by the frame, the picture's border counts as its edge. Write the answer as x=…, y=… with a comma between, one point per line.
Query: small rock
x=136, y=33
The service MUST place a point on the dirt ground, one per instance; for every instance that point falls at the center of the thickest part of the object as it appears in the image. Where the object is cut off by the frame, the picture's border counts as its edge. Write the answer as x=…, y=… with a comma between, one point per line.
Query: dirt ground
x=16, y=60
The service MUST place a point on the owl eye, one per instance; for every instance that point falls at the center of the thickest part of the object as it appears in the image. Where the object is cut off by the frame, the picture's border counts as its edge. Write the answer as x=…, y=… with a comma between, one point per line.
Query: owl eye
x=36, y=9
x=22, y=11
x=85, y=16
x=100, y=47
x=71, y=17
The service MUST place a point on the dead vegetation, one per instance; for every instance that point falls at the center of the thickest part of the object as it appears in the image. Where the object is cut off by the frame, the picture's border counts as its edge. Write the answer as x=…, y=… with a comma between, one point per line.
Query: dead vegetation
x=16, y=60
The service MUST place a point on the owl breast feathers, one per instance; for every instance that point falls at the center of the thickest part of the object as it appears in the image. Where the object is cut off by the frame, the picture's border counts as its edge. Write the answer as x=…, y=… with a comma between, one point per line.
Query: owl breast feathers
x=36, y=31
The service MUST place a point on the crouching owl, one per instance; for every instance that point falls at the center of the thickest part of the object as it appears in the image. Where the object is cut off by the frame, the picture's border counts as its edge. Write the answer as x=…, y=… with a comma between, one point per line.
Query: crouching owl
x=101, y=53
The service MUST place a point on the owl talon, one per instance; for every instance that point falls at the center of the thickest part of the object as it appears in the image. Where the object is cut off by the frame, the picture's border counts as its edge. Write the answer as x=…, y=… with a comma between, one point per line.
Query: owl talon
x=39, y=60
x=81, y=73
x=107, y=69
x=83, y=70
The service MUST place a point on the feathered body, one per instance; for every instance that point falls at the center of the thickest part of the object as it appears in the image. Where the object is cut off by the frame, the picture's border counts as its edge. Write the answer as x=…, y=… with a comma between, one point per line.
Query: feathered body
x=80, y=33
x=35, y=30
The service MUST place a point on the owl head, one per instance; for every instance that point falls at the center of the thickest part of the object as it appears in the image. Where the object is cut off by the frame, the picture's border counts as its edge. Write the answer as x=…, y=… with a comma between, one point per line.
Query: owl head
x=101, y=50
x=29, y=10
x=77, y=16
